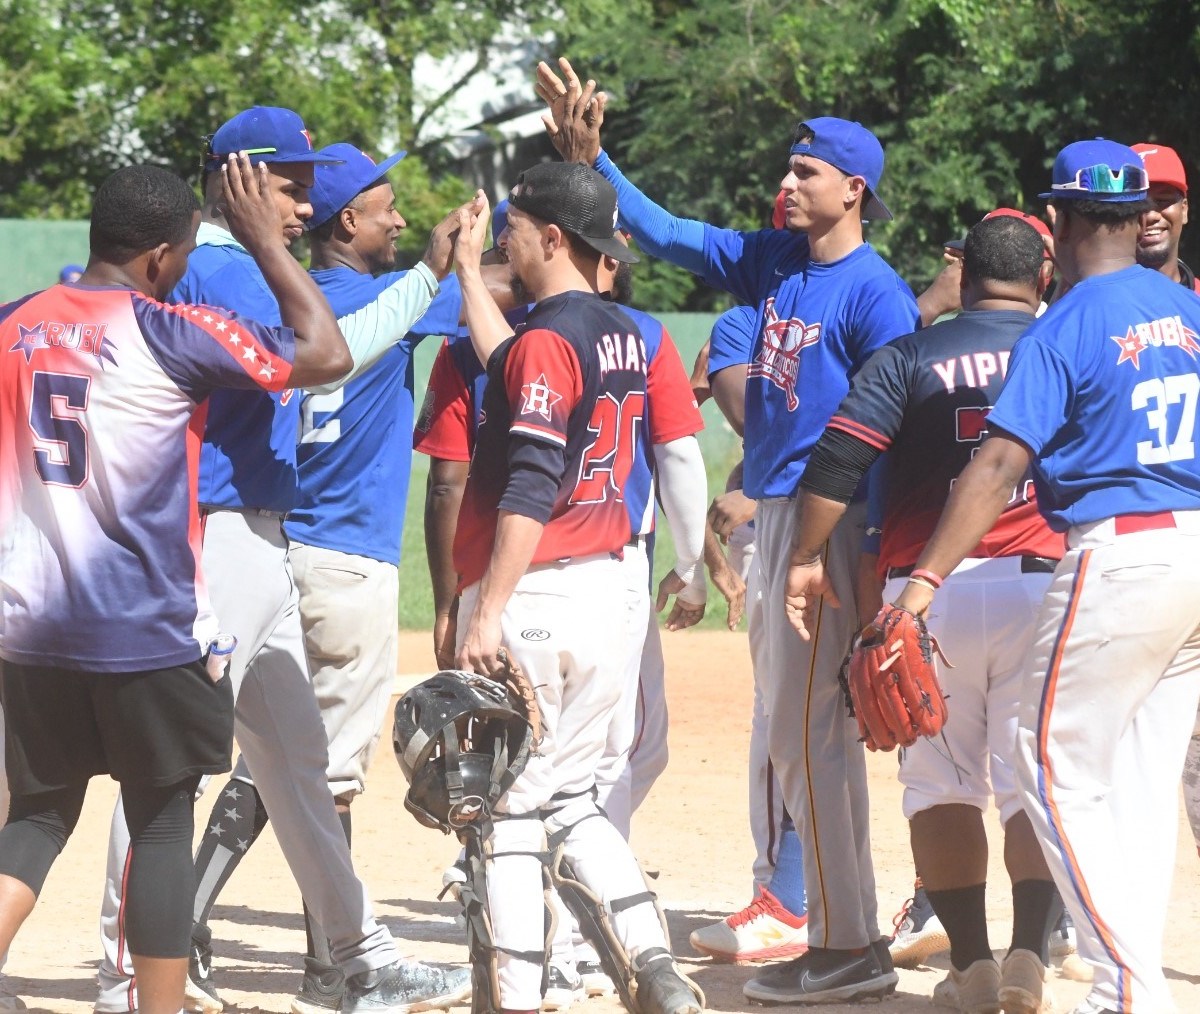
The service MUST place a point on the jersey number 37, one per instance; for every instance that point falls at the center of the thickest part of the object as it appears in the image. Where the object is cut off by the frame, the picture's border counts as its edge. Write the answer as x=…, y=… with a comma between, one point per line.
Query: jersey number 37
x=1155, y=397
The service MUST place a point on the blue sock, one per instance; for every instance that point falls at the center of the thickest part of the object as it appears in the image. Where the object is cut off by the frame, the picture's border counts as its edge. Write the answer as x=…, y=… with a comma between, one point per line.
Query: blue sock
x=787, y=882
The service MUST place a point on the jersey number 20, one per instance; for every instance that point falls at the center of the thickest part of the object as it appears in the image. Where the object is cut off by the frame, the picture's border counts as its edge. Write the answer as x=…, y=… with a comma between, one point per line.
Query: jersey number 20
x=608, y=461
x=1154, y=396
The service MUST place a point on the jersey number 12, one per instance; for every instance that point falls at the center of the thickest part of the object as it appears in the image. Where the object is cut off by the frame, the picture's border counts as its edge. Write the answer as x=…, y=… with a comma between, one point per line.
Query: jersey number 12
x=1154, y=396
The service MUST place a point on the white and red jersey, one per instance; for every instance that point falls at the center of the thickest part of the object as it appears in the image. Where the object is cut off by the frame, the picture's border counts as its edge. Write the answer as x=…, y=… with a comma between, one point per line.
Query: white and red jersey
x=99, y=443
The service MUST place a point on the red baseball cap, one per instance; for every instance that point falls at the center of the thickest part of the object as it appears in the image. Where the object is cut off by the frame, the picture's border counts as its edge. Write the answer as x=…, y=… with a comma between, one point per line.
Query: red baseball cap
x=1163, y=165
x=1042, y=228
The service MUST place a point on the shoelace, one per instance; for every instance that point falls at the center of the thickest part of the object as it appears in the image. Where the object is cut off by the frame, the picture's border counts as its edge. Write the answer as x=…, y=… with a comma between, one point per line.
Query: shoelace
x=762, y=905
x=899, y=917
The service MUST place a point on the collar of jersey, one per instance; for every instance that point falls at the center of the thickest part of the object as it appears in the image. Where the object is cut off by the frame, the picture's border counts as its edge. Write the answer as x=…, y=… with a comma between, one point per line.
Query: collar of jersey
x=213, y=235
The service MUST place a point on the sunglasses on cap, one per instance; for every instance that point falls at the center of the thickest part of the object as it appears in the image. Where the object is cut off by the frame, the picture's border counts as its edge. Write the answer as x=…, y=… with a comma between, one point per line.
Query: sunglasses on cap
x=209, y=155
x=1101, y=179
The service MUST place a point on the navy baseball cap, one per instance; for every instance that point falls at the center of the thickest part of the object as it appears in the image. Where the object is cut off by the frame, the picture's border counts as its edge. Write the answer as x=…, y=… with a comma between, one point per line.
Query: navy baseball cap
x=266, y=134
x=846, y=145
x=576, y=198
x=499, y=221
x=347, y=173
x=1098, y=170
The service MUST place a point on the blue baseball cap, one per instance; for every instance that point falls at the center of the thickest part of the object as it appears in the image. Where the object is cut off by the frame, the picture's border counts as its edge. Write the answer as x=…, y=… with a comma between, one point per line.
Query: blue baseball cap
x=345, y=174
x=1098, y=170
x=266, y=134
x=847, y=145
x=499, y=220
x=70, y=272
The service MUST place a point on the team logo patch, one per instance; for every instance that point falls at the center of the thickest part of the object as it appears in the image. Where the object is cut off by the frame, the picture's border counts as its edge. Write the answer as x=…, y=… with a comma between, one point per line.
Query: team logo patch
x=538, y=398
x=535, y=634
x=86, y=339
x=465, y=812
x=778, y=358
x=1165, y=332
x=284, y=396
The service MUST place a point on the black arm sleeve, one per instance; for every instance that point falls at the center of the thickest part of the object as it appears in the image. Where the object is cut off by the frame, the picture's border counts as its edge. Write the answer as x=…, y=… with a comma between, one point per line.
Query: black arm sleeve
x=536, y=469
x=837, y=465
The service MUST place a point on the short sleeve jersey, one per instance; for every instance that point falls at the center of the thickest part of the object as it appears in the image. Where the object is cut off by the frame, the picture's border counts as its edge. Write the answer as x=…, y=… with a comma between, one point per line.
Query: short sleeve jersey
x=732, y=340
x=249, y=453
x=1103, y=388
x=563, y=409
x=453, y=402
x=925, y=400
x=817, y=324
x=99, y=446
x=355, y=451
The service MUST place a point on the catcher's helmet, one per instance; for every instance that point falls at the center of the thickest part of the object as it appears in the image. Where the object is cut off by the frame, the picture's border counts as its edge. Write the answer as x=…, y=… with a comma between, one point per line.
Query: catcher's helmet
x=461, y=745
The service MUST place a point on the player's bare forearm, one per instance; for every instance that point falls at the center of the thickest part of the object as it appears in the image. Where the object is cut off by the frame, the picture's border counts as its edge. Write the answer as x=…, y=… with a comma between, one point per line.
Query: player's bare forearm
x=517, y=537
x=980, y=494
x=321, y=352
x=724, y=578
x=485, y=322
x=443, y=498
x=816, y=518
x=729, y=392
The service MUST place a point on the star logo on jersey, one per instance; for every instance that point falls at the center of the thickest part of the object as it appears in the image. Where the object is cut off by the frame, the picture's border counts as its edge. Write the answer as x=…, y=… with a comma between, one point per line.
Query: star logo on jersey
x=1166, y=332
x=778, y=358
x=538, y=398
x=31, y=338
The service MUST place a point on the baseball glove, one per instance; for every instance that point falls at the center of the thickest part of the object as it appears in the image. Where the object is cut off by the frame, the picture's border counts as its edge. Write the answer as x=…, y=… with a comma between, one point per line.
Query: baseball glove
x=521, y=694
x=893, y=681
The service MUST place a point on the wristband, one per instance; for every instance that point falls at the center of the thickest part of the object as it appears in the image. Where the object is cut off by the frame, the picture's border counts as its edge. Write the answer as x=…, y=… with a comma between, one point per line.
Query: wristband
x=913, y=579
x=929, y=576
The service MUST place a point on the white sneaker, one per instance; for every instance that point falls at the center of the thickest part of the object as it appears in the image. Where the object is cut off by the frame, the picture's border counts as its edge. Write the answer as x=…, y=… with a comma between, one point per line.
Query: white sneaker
x=919, y=932
x=1023, y=987
x=595, y=980
x=763, y=931
x=945, y=993
x=975, y=989
x=1062, y=937
x=562, y=990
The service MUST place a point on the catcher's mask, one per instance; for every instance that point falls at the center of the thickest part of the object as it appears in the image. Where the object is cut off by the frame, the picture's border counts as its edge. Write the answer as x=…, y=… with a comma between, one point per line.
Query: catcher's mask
x=461, y=745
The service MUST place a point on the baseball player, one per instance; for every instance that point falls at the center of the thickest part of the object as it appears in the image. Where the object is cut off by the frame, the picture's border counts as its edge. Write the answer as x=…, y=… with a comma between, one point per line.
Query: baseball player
x=542, y=526
x=774, y=924
x=247, y=484
x=1158, y=248
x=924, y=399
x=826, y=301
x=1100, y=400
x=99, y=386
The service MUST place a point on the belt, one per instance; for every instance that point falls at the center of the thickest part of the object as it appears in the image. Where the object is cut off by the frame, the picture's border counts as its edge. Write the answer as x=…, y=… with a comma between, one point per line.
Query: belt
x=1029, y=565
x=1127, y=524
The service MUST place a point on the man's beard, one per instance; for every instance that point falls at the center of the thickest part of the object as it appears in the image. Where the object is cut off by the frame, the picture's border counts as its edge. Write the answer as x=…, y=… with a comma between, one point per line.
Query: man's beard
x=1154, y=257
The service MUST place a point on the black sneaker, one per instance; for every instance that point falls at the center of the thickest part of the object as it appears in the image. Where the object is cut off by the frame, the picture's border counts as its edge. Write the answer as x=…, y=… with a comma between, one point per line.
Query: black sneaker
x=662, y=988
x=884, y=956
x=405, y=986
x=200, y=990
x=321, y=989
x=823, y=975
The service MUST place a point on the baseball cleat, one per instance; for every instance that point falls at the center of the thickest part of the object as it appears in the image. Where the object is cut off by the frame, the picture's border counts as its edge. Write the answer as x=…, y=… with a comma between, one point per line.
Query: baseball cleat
x=762, y=931
x=404, y=987
x=562, y=990
x=321, y=990
x=822, y=975
x=1062, y=937
x=919, y=932
x=199, y=989
x=662, y=988
x=595, y=980
x=1023, y=984
x=972, y=991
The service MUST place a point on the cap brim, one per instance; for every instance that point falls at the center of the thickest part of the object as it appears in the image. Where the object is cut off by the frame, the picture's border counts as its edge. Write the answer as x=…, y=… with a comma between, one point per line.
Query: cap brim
x=1088, y=195
x=611, y=247
x=300, y=158
x=385, y=167
x=875, y=210
x=955, y=244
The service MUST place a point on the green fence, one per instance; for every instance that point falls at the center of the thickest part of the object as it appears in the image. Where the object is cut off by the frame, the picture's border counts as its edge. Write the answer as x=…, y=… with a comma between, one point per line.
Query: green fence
x=32, y=253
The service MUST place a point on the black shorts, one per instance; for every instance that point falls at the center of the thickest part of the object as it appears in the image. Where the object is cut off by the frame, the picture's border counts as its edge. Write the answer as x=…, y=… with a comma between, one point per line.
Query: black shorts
x=156, y=727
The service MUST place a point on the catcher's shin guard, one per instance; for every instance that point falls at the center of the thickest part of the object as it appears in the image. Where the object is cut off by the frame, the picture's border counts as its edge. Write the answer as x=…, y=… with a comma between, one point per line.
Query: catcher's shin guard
x=481, y=943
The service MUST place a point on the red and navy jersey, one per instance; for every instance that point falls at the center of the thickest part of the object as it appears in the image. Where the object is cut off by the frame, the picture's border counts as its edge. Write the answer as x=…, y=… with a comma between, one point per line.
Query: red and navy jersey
x=925, y=400
x=563, y=410
x=449, y=415
x=99, y=457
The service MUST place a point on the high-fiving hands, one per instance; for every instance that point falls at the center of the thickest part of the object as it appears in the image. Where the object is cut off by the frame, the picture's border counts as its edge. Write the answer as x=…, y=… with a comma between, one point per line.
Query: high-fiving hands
x=576, y=112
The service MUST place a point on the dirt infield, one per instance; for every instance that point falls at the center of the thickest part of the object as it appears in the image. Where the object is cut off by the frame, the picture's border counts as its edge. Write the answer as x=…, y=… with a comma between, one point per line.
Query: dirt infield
x=692, y=830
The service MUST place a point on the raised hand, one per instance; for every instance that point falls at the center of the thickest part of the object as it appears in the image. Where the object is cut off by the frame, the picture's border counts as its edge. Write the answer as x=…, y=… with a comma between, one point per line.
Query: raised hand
x=440, y=253
x=576, y=112
x=250, y=210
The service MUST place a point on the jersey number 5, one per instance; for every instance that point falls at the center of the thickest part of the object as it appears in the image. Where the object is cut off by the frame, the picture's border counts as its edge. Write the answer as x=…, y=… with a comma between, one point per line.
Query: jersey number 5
x=608, y=461
x=60, y=447
x=1154, y=396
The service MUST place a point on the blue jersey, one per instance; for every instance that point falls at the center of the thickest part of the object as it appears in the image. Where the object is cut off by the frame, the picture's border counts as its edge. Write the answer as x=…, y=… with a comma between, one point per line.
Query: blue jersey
x=248, y=458
x=355, y=450
x=1103, y=389
x=817, y=323
x=732, y=340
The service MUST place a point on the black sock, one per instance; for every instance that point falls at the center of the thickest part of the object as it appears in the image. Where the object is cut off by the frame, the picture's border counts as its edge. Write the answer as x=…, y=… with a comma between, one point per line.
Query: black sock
x=236, y=821
x=1036, y=908
x=963, y=913
x=318, y=943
